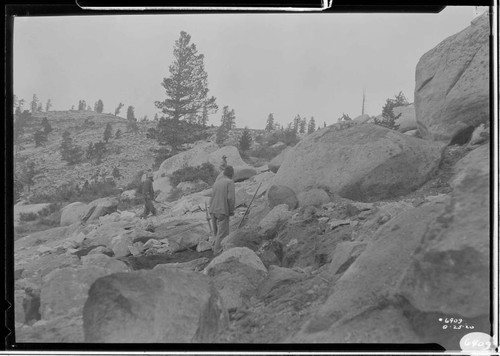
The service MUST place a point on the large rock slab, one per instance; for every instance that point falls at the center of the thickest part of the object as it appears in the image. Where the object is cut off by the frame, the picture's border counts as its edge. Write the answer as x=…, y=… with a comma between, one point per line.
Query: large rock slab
x=275, y=164
x=167, y=305
x=65, y=290
x=196, y=156
x=242, y=238
x=452, y=84
x=363, y=162
x=374, y=277
x=240, y=254
x=63, y=329
x=100, y=207
x=104, y=261
x=243, y=172
x=450, y=274
x=313, y=197
x=162, y=184
x=272, y=221
x=236, y=282
x=280, y=194
x=73, y=213
x=232, y=154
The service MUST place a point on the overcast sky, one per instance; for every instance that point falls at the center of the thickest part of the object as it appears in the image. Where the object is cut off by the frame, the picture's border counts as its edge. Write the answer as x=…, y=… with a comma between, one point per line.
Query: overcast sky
x=286, y=64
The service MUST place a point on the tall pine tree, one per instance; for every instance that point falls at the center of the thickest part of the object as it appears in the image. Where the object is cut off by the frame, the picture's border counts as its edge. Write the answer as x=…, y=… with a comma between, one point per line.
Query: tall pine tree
x=270, y=123
x=187, y=86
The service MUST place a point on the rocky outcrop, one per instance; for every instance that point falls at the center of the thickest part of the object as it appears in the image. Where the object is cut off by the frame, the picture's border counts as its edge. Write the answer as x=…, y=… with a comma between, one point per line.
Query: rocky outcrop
x=242, y=238
x=232, y=156
x=104, y=261
x=373, y=278
x=100, y=207
x=236, y=274
x=72, y=213
x=363, y=162
x=450, y=272
x=276, y=162
x=276, y=276
x=196, y=156
x=452, y=84
x=65, y=289
x=272, y=221
x=241, y=254
x=166, y=305
x=242, y=173
x=314, y=197
x=280, y=194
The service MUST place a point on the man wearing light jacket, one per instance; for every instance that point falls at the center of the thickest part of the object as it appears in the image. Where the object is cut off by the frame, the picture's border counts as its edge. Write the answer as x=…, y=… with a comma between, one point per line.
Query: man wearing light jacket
x=222, y=206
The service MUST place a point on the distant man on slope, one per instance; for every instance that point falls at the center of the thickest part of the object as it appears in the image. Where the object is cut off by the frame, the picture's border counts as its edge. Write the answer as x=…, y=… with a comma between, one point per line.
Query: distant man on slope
x=149, y=195
x=222, y=206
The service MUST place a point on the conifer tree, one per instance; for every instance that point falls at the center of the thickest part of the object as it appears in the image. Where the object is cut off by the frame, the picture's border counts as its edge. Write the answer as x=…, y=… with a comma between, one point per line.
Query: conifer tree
x=107, y=132
x=187, y=87
x=118, y=108
x=245, y=140
x=311, y=126
x=34, y=104
x=270, y=123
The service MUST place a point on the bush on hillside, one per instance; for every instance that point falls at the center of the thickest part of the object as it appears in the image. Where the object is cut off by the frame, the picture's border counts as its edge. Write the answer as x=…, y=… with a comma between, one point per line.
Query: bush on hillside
x=287, y=136
x=70, y=193
x=206, y=172
x=265, y=152
x=161, y=155
x=27, y=217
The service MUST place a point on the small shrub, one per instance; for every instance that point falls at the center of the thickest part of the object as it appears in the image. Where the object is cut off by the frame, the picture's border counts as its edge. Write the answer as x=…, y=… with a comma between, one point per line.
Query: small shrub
x=28, y=216
x=206, y=172
x=266, y=152
x=161, y=155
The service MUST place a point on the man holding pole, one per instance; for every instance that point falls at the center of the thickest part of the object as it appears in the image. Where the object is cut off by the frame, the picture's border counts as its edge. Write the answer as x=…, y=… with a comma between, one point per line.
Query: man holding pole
x=222, y=206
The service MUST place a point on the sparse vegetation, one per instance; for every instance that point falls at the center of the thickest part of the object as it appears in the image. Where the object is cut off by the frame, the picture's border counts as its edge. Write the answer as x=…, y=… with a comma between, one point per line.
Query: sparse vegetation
x=206, y=172
x=161, y=155
x=70, y=152
x=388, y=117
x=107, y=132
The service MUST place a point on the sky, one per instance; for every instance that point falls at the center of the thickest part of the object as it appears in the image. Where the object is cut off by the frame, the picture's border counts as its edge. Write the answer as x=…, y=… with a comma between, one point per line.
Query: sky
x=307, y=64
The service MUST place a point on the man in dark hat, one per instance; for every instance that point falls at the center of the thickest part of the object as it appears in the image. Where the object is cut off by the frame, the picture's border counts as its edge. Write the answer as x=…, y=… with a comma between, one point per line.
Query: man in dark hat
x=222, y=206
x=149, y=195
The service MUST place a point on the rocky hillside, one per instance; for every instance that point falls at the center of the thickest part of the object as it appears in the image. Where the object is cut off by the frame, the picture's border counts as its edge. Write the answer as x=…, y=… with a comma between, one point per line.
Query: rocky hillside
x=129, y=153
x=363, y=235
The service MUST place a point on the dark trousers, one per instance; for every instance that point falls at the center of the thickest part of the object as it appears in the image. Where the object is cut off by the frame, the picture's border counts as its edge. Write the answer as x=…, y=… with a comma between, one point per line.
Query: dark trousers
x=221, y=229
x=148, y=207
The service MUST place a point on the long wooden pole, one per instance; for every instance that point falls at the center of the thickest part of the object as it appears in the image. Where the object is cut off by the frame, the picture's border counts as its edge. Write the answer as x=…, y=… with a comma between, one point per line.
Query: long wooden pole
x=248, y=208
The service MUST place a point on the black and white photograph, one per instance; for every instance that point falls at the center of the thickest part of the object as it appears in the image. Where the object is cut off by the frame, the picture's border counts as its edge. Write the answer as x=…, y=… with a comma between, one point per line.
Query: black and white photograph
x=254, y=178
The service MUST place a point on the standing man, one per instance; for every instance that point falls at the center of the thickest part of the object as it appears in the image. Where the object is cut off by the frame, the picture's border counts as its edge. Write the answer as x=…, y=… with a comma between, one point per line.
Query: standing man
x=223, y=165
x=222, y=206
x=149, y=195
